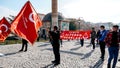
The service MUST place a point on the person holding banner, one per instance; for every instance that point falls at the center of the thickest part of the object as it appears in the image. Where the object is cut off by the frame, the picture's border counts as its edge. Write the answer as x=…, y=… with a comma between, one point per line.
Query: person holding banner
x=24, y=44
x=55, y=37
x=93, y=36
x=101, y=39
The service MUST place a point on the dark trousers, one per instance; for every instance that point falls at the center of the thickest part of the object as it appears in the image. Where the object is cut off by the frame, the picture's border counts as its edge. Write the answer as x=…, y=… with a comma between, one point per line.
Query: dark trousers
x=102, y=49
x=24, y=44
x=61, y=41
x=113, y=54
x=93, y=43
x=56, y=51
x=82, y=42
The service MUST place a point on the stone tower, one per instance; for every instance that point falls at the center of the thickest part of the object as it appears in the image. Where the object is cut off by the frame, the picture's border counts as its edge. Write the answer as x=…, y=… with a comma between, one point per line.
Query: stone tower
x=54, y=13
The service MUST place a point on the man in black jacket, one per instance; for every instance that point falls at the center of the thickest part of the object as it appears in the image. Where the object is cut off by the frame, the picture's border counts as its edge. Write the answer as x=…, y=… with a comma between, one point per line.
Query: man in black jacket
x=55, y=37
x=93, y=36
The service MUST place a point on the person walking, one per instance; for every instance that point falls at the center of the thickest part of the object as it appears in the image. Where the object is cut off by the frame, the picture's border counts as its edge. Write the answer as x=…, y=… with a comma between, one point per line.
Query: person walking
x=101, y=39
x=112, y=41
x=55, y=37
x=93, y=36
x=24, y=44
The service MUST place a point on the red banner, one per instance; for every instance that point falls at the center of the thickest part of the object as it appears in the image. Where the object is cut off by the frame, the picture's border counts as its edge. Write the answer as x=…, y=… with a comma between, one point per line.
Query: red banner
x=75, y=35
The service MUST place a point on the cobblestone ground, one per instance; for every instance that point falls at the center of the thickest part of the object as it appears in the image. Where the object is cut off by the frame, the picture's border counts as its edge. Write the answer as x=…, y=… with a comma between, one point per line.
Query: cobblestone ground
x=40, y=56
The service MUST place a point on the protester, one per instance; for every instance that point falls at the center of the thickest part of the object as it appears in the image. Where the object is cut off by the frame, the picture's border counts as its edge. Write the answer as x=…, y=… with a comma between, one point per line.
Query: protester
x=119, y=33
x=24, y=44
x=82, y=42
x=112, y=41
x=93, y=36
x=98, y=33
x=101, y=39
x=55, y=37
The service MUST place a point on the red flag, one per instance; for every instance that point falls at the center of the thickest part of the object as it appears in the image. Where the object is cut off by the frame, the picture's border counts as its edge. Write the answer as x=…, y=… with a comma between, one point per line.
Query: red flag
x=27, y=23
x=4, y=29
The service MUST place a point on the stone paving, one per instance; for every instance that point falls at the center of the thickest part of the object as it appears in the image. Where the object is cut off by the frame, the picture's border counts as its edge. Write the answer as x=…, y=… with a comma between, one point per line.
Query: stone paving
x=40, y=56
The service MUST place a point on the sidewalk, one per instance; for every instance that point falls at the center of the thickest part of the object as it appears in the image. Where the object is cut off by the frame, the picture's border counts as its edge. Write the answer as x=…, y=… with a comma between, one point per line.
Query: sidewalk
x=40, y=56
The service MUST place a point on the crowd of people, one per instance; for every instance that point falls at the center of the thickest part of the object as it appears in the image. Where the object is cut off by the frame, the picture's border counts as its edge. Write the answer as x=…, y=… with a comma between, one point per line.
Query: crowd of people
x=109, y=38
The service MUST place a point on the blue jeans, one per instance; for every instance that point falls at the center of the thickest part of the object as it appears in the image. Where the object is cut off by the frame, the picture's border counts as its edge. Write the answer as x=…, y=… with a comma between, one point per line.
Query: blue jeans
x=113, y=54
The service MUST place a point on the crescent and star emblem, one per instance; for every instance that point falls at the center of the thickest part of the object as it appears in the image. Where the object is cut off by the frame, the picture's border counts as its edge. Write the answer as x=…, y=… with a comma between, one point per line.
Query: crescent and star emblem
x=6, y=28
x=31, y=17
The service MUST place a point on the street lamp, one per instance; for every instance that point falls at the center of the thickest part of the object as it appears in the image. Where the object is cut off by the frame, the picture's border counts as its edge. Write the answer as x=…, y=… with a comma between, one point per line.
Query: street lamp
x=80, y=20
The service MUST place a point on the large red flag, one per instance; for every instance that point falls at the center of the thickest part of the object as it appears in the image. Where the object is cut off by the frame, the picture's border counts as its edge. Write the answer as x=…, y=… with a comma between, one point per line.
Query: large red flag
x=4, y=29
x=27, y=23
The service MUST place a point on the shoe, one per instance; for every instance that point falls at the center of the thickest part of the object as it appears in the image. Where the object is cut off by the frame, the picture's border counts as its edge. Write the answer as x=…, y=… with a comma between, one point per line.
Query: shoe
x=56, y=64
x=108, y=66
x=53, y=61
x=102, y=59
x=20, y=50
x=25, y=50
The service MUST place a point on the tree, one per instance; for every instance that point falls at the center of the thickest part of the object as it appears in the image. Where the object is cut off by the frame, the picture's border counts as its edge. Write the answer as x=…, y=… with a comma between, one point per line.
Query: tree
x=72, y=25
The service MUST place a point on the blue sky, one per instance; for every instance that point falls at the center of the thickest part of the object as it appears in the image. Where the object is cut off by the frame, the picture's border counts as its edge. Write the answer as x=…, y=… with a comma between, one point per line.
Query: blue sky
x=89, y=10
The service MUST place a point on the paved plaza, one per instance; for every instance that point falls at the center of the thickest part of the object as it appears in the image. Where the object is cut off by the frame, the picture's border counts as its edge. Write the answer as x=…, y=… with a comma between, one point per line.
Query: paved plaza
x=40, y=56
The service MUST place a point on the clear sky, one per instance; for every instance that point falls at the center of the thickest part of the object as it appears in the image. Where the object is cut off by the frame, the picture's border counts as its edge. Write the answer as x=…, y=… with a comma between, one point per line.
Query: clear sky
x=89, y=10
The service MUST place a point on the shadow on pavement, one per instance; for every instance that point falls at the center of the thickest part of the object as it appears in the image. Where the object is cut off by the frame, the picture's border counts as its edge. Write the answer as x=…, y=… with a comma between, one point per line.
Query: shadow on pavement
x=77, y=43
x=99, y=64
x=69, y=52
x=49, y=66
x=43, y=45
x=10, y=54
x=89, y=45
x=73, y=49
x=88, y=54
